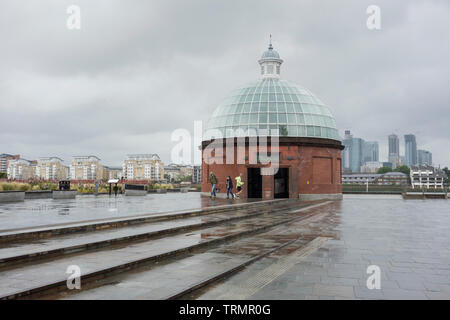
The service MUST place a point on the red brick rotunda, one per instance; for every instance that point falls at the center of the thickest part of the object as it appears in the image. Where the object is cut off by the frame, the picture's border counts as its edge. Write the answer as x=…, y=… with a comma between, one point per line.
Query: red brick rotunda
x=303, y=145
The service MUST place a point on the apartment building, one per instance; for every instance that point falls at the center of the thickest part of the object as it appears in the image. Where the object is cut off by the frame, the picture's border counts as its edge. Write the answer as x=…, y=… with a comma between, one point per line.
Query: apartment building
x=173, y=171
x=51, y=168
x=427, y=177
x=371, y=167
x=392, y=178
x=389, y=178
x=186, y=171
x=21, y=169
x=197, y=175
x=87, y=168
x=114, y=172
x=143, y=167
x=4, y=157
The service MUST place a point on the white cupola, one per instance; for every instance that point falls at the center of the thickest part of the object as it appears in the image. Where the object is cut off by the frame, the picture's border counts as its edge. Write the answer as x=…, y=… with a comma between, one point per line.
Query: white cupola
x=270, y=63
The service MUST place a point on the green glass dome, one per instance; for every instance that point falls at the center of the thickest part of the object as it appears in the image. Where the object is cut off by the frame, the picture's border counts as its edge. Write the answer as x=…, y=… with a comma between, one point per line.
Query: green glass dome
x=271, y=103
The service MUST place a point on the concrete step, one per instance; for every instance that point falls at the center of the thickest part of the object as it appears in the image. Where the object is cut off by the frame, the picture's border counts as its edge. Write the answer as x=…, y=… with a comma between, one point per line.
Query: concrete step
x=45, y=277
x=74, y=243
x=178, y=278
x=14, y=235
x=189, y=276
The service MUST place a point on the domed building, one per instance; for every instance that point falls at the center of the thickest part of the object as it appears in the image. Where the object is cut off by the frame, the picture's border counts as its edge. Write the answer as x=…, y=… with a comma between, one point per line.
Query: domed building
x=308, y=147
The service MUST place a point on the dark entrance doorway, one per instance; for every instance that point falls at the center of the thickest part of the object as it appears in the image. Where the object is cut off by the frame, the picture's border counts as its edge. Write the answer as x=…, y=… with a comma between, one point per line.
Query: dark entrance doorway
x=281, y=183
x=254, y=182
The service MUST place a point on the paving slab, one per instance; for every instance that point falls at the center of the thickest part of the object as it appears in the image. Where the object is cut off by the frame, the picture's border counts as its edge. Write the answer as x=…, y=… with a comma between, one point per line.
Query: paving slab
x=408, y=240
x=97, y=260
x=46, y=245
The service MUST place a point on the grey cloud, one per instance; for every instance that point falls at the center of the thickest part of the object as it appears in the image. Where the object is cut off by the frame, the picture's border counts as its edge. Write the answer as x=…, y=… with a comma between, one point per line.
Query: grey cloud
x=137, y=70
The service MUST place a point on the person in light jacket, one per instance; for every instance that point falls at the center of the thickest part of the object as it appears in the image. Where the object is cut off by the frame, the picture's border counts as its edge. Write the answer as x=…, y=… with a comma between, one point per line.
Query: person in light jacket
x=239, y=184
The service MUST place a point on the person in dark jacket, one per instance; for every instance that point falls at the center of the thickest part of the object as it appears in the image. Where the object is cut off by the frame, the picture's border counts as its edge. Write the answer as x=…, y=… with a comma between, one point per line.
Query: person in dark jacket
x=230, y=187
x=213, y=180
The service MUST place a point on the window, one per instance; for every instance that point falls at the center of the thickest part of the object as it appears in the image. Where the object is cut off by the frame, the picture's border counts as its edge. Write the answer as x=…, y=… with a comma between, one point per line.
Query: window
x=270, y=69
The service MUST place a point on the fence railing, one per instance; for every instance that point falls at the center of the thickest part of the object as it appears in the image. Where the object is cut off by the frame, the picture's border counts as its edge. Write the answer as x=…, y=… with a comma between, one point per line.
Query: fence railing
x=394, y=189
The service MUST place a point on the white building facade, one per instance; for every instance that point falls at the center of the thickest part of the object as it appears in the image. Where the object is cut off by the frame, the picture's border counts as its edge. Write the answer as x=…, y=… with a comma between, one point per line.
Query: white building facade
x=427, y=177
x=143, y=167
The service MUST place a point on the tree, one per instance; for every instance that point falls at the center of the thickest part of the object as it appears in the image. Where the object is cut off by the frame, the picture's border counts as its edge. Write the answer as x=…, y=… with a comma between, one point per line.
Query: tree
x=3, y=175
x=404, y=169
x=384, y=170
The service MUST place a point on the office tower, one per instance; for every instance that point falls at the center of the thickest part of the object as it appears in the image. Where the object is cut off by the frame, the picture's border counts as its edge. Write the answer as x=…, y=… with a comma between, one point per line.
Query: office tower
x=424, y=157
x=410, y=150
x=352, y=153
x=370, y=152
x=394, y=150
x=347, y=143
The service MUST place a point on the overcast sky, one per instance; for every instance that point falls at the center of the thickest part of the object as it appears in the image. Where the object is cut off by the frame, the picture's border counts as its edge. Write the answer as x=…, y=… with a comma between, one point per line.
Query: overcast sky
x=137, y=70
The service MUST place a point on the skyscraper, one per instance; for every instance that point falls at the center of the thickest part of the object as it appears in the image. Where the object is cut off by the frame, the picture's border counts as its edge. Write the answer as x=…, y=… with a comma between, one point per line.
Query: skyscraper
x=370, y=152
x=410, y=150
x=424, y=157
x=352, y=153
x=347, y=143
x=394, y=150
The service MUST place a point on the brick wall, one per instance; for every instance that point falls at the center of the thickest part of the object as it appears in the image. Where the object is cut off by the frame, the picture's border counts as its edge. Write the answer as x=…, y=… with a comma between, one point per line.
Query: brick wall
x=312, y=170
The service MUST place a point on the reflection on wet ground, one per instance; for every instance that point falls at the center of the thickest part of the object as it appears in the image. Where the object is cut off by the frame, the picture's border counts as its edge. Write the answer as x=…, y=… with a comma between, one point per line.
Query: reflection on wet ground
x=44, y=272
x=41, y=212
x=334, y=244
x=408, y=240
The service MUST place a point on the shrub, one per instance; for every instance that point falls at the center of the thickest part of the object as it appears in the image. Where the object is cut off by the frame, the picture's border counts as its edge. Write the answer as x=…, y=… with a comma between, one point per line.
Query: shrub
x=24, y=187
x=7, y=187
x=14, y=186
x=162, y=186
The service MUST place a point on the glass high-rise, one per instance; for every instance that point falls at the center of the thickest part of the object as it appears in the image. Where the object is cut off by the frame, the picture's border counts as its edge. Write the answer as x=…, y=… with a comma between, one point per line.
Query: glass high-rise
x=394, y=150
x=424, y=157
x=370, y=152
x=410, y=150
x=353, y=152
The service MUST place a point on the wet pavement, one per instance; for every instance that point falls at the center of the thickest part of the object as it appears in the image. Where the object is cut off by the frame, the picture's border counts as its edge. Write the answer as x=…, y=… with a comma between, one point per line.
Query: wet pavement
x=41, y=212
x=46, y=272
x=407, y=239
x=334, y=244
x=169, y=277
x=45, y=245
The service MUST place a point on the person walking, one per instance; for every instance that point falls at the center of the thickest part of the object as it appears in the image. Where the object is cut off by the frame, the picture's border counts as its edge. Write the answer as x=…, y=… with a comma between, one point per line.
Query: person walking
x=230, y=187
x=213, y=180
x=239, y=184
